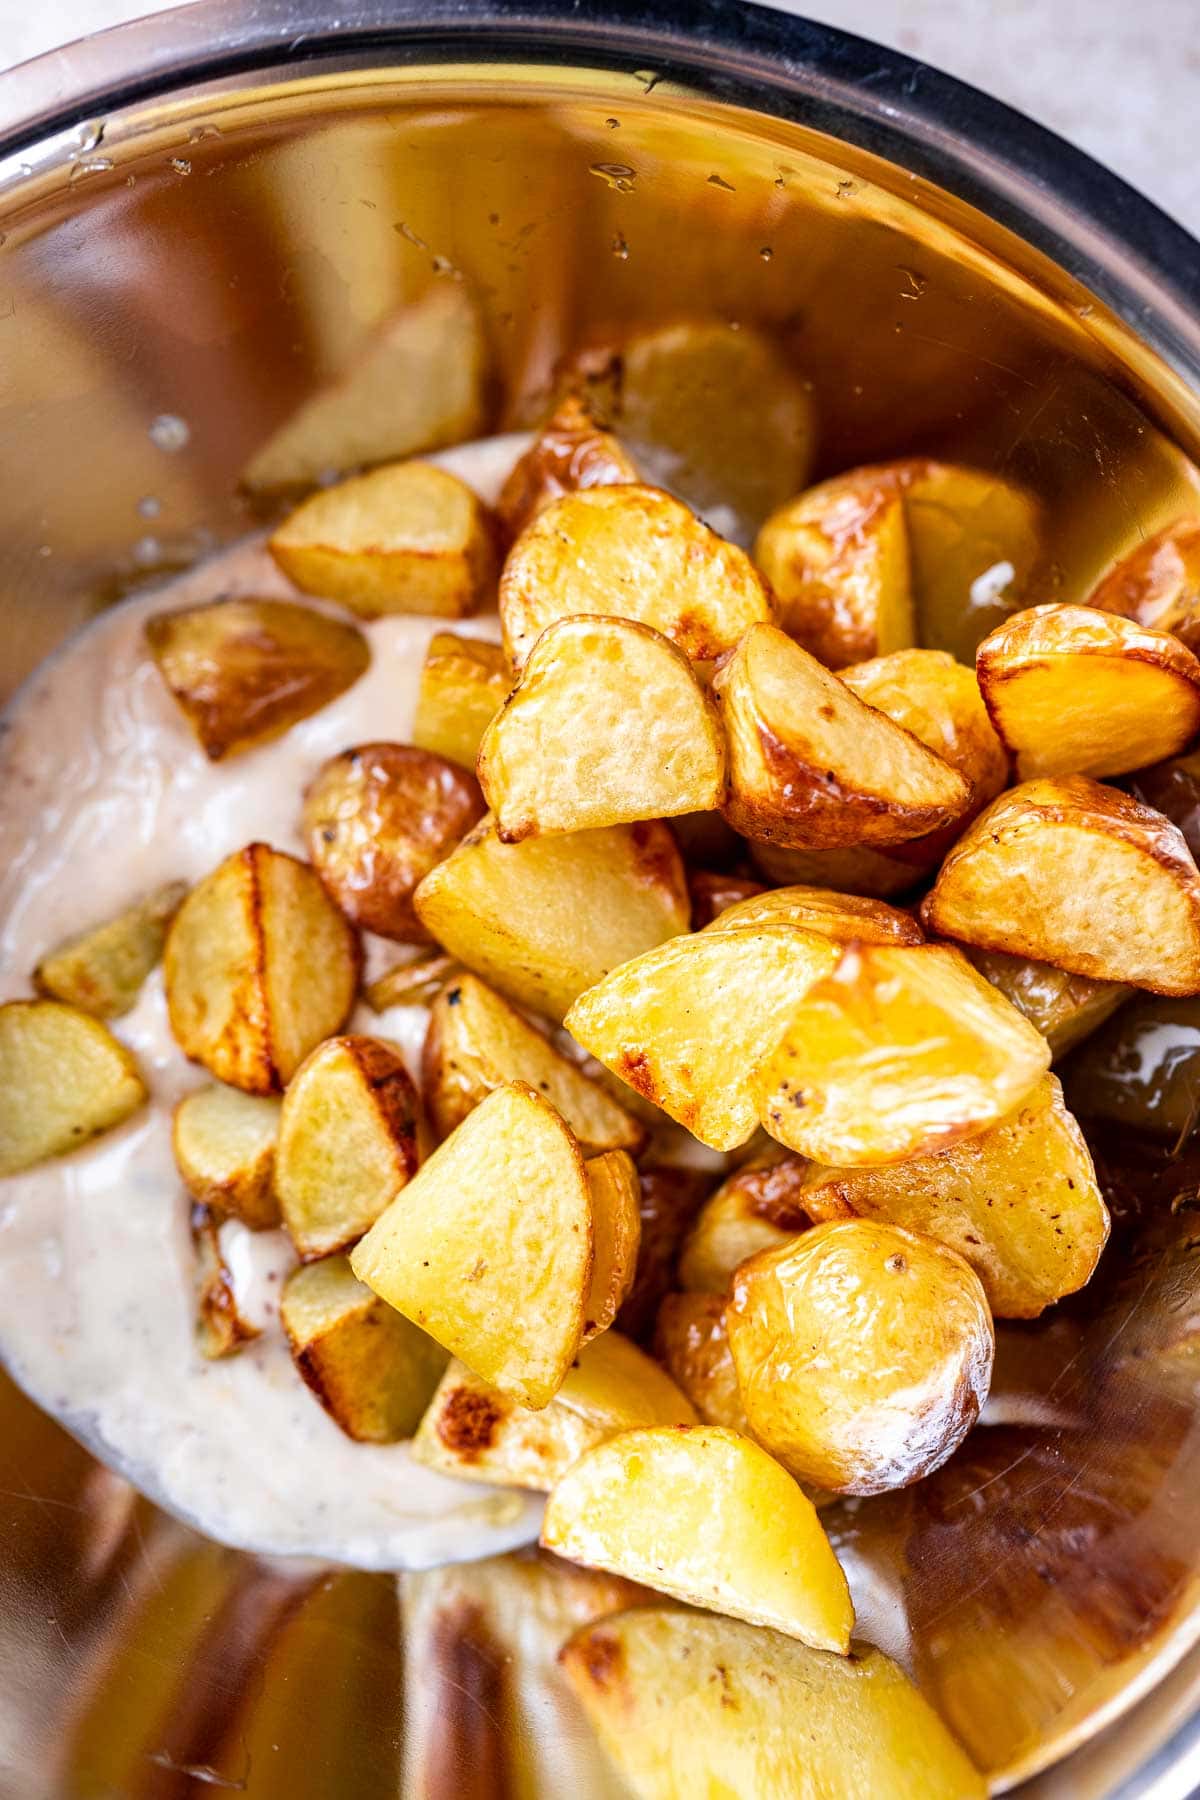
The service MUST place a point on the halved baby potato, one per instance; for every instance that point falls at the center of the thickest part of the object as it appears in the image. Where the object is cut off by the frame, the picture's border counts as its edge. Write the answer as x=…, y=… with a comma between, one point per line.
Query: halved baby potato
x=407, y=538
x=756, y=1208
x=544, y=919
x=1065, y=1008
x=670, y=1197
x=571, y=452
x=879, y=874
x=939, y=701
x=631, y=552
x=692, y=1344
x=244, y=670
x=1158, y=583
x=974, y=543
x=704, y=1515
x=1077, y=874
x=373, y=1371
x=898, y=1052
x=463, y=682
x=489, y=1247
x=415, y=983
x=713, y=893
x=259, y=966
x=812, y=766
x=843, y=918
x=224, y=1144
x=102, y=971
x=607, y=725
x=63, y=1078
x=1075, y=691
x=222, y=1329
x=616, y=1236
x=348, y=1142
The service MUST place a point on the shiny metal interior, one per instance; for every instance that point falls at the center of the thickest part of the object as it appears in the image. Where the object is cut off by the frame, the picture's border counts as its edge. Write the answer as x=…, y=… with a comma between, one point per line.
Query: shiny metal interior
x=206, y=220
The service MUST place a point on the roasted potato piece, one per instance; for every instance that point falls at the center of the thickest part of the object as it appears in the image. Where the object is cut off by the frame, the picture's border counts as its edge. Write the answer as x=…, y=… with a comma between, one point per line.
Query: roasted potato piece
x=473, y=1431
x=974, y=542
x=899, y=1052
x=939, y=701
x=224, y=1143
x=812, y=767
x=259, y=966
x=691, y=1342
x=1019, y=1203
x=669, y=1199
x=1073, y=691
x=1142, y=1071
x=706, y=840
x=616, y=1237
x=843, y=918
x=1158, y=583
x=713, y=893
x=547, y=918
x=1079, y=875
x=489, y=1248
x=690, y=1024
x=377, y=818
x=63, y=1078
x=705, y=1515
x=1064, y=1008
x=222, y=1329
x=244, y=670
x=874, y=873
x=1173, y=788
x=629, y=552
x=688, y=1704
x=102, y=971
x=756, y=1208
x=863, y=1353
x=606, y=725
x=372, y=1370
x=463, y=681
x=415, y=983
x=347, y=1142
x=571, y=452
x=407, y=538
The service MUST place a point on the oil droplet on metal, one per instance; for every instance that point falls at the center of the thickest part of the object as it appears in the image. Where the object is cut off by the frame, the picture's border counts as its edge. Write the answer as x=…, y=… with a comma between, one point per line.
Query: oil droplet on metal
x=846, y=187
x=716, y=181
x=169, y=432
x=780, y=182
x=199, y=133
x=619, y=176
x=613, y=124
x=620, y=248
x=442, y=265
x=766, y=253
x=916, y=283
x=131, y=181
x=90, y=135
x=149, y=506
x=407, y=232
x=648, y=79
x=180, y=164
x=3, y=238
x=95, y=165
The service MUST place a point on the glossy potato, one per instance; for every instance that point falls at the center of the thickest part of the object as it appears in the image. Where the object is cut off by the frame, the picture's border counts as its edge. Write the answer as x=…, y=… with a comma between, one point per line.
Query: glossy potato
x=843, y=918
x=1141, y=1071
x=691, y=1342
x=102, y=971
x=463, y=681
x=713, y=893
x=1173, y=789
x=224, y=1146
x=758, y=1207
x=1065, y=1008
x=616, y=1236
x=570, y=452
x=975, y=542
x=1158, y=583
x=939, y=701
x=876, y=874
x=222, y=1329
x=63, y=1078
x=863, y=1353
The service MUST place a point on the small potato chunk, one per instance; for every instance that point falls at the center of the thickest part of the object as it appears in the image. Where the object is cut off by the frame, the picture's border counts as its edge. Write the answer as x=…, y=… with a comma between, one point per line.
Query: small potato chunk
x=708, y=1517
x=259, y=966
x=243, y=671
x=63, y=1078
x=416, y=983
x=221, y=1327
x=1158, y=583
x=974, y=542
x=224, y=1143
x=692, y=1344
x=616, y=1236
x=489, y=1248
x=571, y=452
x=1020, y=1203
x=463, y=682
x=939, y=701
x=407, y=538
x=629, y=552
x=606, y=725
x=377, y=818
x=669, y=1199
x=102, y=971
x=843, y=918
x=1141, y=1072
x=544, y=919
x=347, y=1142
x=690, y=1024
x=1076, y=874
x=899, y=1052
x=1073, y=691
x=1064, y=1008
x=811, y=766
x=758, y=1207
x=372, y=1370
x=863, y=1353
x=853, y=870
x=713, y=893
x=687, y=1704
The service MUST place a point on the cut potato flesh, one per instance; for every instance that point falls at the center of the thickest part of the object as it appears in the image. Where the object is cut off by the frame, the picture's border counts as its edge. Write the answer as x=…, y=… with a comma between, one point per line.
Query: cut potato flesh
x=607, y=725
x=689, y=1025
x=222, y=1329
x=1077, y=874
x=687, y=1705
x=1065, y=1008
x=571, y=452
x=463, y=681
x=1158, y=583
x=756, y=1208
x=102, y=971
x=900, y=1051
x=812, y=766
x=703, y=1514
x=63, y=1078
x=939, y=701
x=544, y=919
x=616, y=1235
x=843, y=918
x=691, y=1342
x=1074, y=691
x=224, y=1143
x=489, y=1248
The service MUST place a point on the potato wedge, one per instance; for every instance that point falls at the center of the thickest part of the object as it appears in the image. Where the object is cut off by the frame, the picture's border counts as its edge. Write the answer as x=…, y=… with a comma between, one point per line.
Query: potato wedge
x=606, y=725
x=974, y=544
x=547, y=918
x=1073, y=691
x=758, y=1207
x=843, y=918
x=244, y=670
x=463, y=682
x=415, y=983
x=713, y=893
x=1173, y=788
x=571, y=452
x=669, y=1200
x=1158, y=583
x=1064, y=1008
x=690, y=1024
x=900, y=1051
x=472, y=1431
x=863, y=1353
x=259, y=966
x=407, y=538
x=102, y=971
x=376, y=819
x=64, y=1077
x=489, y=1248
x=687, y=1704
x=1020, y=1203
x=877, y=874
x=630, y=552
x=373, y=1371
x=616, y=1237
x=1076, y=874
x=222, y=1329
x=939, y=701
x=348, y=1142
x=224, y=1144
x=692, y=1344
x=706, y=1516
x=812, y=767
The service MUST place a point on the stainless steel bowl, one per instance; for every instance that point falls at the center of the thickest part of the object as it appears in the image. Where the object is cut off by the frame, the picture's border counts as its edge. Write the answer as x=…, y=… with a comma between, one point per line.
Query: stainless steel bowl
x=204, y=217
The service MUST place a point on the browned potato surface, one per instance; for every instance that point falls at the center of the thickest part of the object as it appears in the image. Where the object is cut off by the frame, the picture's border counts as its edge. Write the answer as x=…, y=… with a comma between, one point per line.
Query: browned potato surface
x=692, y=1343
x=244, y=670
x=669, y=1200
x=571, y=452
x=102, y=971
x=377, y=818
x=758, y=1207
x=844, y=918
x=616, y=1237
x=221, y=1328
x=1064, y=1008
x=879, y=874
x=863, y=1353
x=63, y=1078
x=1141, y=1071
x=1158, y=583
x=713, y=893
x=706, y=841
x=224, y=1143
x=415, y=983
x=463, y=681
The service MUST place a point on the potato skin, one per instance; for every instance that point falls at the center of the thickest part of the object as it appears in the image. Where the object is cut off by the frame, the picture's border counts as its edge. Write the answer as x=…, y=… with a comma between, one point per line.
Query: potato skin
x=1158, y=583
x=669, y=1200
x=571, y=452
x=463, y=681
